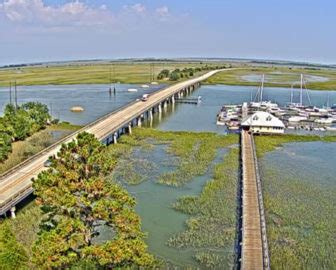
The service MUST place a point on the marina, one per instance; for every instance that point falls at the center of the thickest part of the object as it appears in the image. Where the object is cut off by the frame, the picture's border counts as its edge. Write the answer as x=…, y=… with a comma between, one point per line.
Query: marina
x=294, y=116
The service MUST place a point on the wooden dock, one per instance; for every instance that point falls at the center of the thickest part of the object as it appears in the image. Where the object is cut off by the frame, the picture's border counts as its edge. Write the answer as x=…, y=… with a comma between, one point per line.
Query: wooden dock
x=254, y=249
x=189, y=100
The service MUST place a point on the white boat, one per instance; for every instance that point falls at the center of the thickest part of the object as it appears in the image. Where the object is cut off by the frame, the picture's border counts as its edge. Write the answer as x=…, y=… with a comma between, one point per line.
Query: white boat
x=145, y=86
x=331, y=128
x=155, y=83
x=296, y=119
x=132, y=90
x=325, y=121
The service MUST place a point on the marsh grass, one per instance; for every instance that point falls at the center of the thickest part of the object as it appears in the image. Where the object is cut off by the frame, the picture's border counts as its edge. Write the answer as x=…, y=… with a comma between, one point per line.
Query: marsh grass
x=266, y=144
x=194, y=151
x=212, y=224
x=301, y=215
x=280, y=77
x=93, y=73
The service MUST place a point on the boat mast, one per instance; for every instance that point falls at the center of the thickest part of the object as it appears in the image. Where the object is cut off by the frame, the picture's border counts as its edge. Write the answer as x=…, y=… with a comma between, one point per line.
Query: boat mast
x=262, y=87
x=301, y=89
x=291, y=95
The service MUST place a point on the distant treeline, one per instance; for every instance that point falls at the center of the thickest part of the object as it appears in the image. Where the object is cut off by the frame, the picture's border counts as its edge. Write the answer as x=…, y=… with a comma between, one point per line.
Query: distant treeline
x=20, y=122
x=177, y=74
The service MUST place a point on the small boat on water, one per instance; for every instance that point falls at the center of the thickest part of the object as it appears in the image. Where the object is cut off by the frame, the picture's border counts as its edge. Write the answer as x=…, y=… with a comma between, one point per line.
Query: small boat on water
x=132, y=90
x=154, y=83
x=145, y=86
x=297, y=119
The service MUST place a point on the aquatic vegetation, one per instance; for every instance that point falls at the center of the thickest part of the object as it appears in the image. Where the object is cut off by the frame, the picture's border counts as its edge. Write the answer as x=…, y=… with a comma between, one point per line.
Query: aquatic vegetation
x=301, y=214
x=194, y=152
x=266, y=144
x=212, y=224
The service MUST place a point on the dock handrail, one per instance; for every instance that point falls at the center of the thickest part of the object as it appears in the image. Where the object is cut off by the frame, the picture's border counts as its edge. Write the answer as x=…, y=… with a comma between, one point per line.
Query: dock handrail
x=266, y=258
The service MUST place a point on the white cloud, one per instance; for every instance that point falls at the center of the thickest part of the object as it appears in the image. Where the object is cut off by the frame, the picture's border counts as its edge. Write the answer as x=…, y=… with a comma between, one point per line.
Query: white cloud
x=163, y=11
x=74, y=13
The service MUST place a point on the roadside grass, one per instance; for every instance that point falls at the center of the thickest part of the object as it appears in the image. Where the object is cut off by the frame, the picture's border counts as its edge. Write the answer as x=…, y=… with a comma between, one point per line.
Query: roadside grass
x=300, y=215
x=21, y=150
x=98, y=73
x=278, y=76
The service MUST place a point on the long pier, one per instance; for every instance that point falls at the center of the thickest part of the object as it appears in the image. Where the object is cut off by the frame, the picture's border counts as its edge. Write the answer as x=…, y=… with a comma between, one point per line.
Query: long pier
x=254, y=246
x=16, y=184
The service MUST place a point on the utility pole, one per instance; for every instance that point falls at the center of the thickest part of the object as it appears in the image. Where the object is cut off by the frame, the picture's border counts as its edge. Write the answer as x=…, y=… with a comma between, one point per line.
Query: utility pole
x=110, y=89
x=114, y=80
x=10, y=93
x=15, y=95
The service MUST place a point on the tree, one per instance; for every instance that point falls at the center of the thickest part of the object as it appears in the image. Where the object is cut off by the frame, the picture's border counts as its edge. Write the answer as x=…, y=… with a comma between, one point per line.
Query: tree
x=38, y=113
x=12, y=254
x=77, y=201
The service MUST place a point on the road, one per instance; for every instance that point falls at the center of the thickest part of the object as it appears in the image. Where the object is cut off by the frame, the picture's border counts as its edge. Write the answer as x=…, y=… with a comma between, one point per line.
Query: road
x=16, y=184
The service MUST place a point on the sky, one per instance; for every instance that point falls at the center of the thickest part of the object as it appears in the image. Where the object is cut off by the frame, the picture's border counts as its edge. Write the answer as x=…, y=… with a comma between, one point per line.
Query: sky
x=50, y=30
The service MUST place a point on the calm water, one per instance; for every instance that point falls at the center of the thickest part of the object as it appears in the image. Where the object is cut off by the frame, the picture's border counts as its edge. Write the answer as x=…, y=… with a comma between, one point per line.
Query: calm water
x=203, y=117
x=154, y=205
x=95, y=99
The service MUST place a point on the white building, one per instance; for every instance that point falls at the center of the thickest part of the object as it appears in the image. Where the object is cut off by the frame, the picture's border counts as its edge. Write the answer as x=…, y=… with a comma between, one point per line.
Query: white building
x=263, y=122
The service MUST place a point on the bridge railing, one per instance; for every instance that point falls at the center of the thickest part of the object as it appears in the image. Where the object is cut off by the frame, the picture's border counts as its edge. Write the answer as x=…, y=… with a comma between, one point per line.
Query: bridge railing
x=266, y=258
x=63, y=140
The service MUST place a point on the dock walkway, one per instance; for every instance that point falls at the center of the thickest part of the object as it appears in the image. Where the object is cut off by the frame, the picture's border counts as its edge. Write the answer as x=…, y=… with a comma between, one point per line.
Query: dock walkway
x=254, y=250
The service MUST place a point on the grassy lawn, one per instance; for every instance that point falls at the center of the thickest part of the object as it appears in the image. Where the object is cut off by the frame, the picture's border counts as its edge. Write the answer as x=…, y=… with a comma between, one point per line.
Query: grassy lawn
x=91, y=73
x=22, y=150
x=276, y=77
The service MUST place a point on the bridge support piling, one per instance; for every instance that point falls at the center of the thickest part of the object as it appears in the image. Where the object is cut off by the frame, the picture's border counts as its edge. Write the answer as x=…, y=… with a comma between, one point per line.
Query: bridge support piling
x=173, y=99
x=150, y=114
x=160, y=108
x=115, y=136
x=139, y=121
x=12, y=210
x=130, y=128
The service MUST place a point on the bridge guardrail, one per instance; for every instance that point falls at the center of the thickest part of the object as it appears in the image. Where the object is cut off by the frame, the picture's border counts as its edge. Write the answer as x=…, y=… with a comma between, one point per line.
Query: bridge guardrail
x=42, y=152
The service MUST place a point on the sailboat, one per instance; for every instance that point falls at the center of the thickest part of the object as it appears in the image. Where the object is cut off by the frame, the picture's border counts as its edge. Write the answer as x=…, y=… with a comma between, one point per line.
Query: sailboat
x=261, y=104
x=298, y=106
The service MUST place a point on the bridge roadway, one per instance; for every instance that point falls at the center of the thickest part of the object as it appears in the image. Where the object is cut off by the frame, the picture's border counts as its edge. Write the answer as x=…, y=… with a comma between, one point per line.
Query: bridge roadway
x=254, y=250
x=16, y=184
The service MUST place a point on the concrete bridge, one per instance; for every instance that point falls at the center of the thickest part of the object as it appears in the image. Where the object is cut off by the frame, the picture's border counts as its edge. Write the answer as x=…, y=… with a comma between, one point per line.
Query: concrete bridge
x=254, y=246
x=16, y=184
